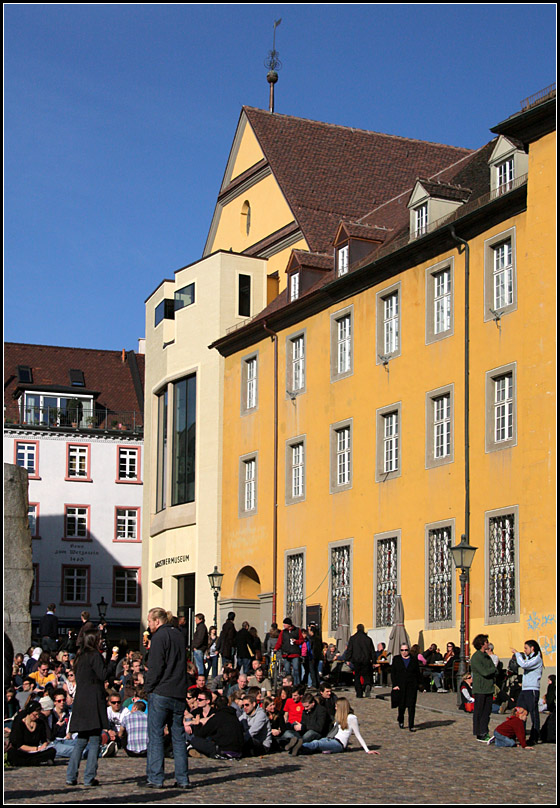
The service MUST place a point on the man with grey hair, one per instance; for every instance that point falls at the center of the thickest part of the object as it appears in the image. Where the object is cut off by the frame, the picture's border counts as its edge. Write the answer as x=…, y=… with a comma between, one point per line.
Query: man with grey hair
x=166, y=686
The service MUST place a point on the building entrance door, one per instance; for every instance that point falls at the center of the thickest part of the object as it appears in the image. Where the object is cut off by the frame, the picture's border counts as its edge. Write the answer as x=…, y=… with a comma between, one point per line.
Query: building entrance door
x=185, y=601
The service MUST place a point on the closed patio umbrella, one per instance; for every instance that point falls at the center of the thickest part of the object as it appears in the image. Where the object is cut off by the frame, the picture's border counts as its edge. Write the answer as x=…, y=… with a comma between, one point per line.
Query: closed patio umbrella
x=343, y=631
x=297, y=614
x=398, y=633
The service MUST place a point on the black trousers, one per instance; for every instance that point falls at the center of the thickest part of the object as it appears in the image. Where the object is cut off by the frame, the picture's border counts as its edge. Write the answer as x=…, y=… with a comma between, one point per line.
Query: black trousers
x=362, y=671
x=481, y=714
x=411, y=713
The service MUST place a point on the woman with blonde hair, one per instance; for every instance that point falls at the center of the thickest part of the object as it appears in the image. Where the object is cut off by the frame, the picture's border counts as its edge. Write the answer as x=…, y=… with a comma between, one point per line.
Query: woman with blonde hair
x=345, y=723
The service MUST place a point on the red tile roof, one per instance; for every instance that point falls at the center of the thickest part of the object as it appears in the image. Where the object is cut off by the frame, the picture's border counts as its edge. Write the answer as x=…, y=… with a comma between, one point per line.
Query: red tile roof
x=329, y=172
x=105, y=372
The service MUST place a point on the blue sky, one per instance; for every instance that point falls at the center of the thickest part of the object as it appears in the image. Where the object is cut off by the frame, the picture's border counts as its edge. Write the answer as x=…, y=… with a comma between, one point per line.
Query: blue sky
x=119, y=120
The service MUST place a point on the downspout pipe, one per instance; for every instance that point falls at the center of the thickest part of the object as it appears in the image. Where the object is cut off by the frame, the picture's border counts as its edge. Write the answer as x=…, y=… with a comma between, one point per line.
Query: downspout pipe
x=467, y=407
x=274, y=337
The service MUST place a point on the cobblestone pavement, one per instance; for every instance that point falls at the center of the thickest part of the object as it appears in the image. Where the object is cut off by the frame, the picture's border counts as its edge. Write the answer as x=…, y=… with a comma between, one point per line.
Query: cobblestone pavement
x=441, y=763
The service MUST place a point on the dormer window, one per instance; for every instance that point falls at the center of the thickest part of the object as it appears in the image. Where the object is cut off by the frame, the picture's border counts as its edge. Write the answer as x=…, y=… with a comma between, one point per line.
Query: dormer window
x=505, y=174
x=342, y=260
x=508, y=163
x=421, y=220
x=294, y=286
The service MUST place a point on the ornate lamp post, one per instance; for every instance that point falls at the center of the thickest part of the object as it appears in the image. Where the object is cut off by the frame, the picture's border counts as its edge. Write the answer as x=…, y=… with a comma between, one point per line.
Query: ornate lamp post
x=463, y=554
x=102, y=608
x=215, y=579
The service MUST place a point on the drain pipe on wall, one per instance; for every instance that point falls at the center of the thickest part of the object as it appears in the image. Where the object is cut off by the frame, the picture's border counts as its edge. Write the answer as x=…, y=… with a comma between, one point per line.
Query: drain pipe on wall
x=467, y=438
x=274, y=337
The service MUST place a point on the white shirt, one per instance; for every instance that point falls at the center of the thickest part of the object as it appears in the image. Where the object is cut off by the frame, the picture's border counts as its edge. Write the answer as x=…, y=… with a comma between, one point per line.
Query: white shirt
x=343, y=735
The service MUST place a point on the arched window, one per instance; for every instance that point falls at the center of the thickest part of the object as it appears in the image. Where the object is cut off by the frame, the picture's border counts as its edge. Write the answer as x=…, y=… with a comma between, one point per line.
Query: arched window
x=246, y=218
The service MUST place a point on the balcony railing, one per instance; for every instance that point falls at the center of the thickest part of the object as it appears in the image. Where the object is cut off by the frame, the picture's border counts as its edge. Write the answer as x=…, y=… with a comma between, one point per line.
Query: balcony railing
x=99, y=418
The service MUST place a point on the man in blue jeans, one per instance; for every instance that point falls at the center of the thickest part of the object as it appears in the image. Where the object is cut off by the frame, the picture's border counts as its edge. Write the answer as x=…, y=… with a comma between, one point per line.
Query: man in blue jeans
x=166, y=686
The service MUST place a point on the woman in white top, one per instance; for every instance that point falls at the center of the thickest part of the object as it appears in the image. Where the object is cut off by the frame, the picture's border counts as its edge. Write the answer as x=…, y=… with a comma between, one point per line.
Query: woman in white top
x=345, y=724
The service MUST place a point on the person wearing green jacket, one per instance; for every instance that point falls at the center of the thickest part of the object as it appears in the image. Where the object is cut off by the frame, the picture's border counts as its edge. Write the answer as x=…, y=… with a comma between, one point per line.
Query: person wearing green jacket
x=484, y=675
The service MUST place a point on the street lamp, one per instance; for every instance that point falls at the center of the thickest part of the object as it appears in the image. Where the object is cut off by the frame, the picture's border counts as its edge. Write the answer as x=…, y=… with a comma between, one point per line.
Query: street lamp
x=102, y=608
x=463, y=554
x=215, y=579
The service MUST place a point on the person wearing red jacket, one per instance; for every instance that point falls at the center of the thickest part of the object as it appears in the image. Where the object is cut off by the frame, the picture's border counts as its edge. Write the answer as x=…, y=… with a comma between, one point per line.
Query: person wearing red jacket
x=512, y=730
x=289, y=642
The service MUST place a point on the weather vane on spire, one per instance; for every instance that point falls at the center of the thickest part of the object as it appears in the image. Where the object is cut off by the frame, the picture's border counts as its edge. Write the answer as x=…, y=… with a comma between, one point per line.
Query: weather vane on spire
x=273, y=63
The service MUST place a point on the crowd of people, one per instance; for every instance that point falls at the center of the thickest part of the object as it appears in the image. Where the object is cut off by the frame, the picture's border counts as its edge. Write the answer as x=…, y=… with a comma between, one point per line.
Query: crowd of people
x=85, y=702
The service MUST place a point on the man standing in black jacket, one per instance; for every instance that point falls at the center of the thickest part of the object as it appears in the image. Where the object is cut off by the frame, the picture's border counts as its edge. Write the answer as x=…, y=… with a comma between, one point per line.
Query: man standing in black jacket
x=48, y=629
x=166, y=686
x=361, y=653
x=405, y=676
x=199, y=643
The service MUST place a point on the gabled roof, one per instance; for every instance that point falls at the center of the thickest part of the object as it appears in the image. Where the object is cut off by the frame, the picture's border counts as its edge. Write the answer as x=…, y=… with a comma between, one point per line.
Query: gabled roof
x=329, y=172
x=117, y=377
x=302, y=258
x=445, y=190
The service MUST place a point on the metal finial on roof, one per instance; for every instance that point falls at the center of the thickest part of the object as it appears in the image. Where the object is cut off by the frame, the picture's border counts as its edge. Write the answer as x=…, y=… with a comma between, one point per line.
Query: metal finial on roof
x=273, y=63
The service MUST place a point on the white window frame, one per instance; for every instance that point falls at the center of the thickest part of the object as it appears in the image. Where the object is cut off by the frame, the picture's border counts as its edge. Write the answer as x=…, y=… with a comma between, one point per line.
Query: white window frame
x=130, y=577
x=500, y=274
x=78, y=574
x=248, y=484
x=126, y=528
x=421, y=220
x=128, y=459
x=341, y=451
x=388, y=323
x=27, y=452
x=505, y=175
x=501, y=408
x=294, y=286
x=297, y=345
x=503, y=275
x=342, y=343
x=251, y=383
x=342, y=257
x=388, y=461
x=78, y=461
x=80, y=516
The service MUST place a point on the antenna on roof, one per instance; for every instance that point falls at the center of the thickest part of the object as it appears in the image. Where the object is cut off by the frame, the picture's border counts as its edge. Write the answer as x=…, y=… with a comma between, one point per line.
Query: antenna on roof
x=273, y=62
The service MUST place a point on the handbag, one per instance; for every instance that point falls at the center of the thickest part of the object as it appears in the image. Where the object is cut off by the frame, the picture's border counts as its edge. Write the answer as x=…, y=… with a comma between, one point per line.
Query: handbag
x=395, y=698
x=332, y=733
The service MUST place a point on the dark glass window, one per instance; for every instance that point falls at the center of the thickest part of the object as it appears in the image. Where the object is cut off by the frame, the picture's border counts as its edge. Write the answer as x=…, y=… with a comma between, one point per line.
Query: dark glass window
x=184, y=441
x=24, y=374
x=164, y=311
x=244, y=298
x=184, y=297
x=161, y=451
x=77, y=378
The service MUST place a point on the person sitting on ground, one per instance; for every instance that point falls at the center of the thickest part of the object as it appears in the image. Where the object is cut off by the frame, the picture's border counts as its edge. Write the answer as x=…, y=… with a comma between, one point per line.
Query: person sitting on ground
x=275, y=715
x=192, y=673
x=314, y=723
x=241, y=683
x=293, y=707
x=44, y=675
x=346, y=723
x=220, y=683
x=257, y=693
x=11, y=704
x=220, y=737
x=18, y=670
x=467, y=698
x=24, y=694
x=259, y=680
x=512, y=730
x=134, y=728
x=204, y=707
x=57, y=720
x=327, y=699
x=257, y=733
x=28, y=739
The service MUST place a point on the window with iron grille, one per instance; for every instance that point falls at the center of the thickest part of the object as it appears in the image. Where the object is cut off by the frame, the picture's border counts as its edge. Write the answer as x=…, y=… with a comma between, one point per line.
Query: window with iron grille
x=502, y=565
x=125, y=584
x=294, y=582
x=386, y=580
x=440, y=575
x=340, y=581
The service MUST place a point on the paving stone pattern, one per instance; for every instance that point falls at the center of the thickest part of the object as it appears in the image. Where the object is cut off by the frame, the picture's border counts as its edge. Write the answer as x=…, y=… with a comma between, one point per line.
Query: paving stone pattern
x=440, y=764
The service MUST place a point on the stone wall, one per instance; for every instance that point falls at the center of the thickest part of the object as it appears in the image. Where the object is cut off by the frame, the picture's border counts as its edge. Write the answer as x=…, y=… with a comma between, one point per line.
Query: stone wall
x=18, y=567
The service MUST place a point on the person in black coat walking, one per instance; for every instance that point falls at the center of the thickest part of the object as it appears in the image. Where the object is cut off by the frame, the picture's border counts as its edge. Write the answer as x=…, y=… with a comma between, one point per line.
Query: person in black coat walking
x=406, y=677
x=226, y=640
x=361, y=654
x=89, y=709
x=48, y=629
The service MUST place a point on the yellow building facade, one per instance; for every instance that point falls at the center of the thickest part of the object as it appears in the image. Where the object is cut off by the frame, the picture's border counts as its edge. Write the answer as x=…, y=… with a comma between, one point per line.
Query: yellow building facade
x=364, y=431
